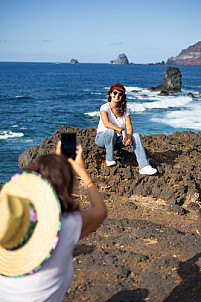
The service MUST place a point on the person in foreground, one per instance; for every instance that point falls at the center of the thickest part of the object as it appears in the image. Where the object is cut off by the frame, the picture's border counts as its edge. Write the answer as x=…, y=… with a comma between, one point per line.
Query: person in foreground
x=114, y=118
x=40, y=225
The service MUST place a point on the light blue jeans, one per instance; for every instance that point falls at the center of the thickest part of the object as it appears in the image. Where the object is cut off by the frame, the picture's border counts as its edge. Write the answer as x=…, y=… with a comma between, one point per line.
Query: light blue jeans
x=109, y=139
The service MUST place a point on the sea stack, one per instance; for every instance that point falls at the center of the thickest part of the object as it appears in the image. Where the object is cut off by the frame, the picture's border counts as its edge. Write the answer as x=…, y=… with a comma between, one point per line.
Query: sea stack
x=74, y=61
x=171, y=81
x=122, y=59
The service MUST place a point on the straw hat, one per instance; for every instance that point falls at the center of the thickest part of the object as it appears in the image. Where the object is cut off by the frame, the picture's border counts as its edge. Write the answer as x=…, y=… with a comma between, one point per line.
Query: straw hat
x=23, y=195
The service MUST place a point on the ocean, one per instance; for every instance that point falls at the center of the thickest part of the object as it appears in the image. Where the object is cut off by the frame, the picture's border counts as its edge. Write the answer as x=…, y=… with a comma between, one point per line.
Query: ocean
x=37, y=98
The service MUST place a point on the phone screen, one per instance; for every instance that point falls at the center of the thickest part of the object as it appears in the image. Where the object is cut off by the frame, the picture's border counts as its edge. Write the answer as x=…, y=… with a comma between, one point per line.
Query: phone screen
x=68, y=144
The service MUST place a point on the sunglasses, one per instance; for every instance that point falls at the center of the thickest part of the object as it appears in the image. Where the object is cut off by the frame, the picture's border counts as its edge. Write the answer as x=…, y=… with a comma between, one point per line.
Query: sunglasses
x=120, y=94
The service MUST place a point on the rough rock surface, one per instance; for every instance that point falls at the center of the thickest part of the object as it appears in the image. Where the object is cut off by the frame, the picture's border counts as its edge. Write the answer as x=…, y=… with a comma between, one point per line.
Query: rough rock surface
x=74, y=61
x=189, y=56
x=171, y=81
x=176, y=156
x=122, y=59
x=149, y=247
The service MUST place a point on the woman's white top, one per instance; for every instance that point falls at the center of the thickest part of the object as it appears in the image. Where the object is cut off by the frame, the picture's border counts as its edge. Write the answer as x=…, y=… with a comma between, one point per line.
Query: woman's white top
x=51, y=282
x=119, y=122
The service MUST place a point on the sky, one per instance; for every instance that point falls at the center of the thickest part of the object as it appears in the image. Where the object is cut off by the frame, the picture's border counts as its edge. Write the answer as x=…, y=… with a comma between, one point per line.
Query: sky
x=92, y=31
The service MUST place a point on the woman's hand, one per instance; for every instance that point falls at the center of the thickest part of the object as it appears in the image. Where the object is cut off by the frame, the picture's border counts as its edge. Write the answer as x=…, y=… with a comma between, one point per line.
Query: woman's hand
x=58, y=148
x=128, y=142
x=78, y=163
x=126, y=138
x=79, y=167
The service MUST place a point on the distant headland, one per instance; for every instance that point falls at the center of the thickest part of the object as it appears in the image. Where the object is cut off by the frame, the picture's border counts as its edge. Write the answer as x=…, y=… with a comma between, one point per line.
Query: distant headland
x=188, y=56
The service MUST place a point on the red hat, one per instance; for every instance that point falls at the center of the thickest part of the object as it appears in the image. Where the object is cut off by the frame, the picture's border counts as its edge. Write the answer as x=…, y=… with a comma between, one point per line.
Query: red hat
x=117, y=86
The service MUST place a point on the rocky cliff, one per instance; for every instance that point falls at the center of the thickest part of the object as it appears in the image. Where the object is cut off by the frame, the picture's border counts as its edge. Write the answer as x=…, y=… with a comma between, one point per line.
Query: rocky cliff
x=74, y=61
x=122, y=59
x=189, y=56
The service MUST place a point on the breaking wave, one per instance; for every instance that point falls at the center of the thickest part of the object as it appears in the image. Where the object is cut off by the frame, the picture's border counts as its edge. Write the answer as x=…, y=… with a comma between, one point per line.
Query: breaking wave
x=5, y=134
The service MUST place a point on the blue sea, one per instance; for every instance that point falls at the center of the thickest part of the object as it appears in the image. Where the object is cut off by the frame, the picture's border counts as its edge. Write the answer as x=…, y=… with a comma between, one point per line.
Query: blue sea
x=37, y=98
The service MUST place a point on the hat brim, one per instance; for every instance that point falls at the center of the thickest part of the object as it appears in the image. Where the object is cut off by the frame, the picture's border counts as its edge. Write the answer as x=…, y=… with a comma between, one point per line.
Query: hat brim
x=45, y=201
x=117, y=86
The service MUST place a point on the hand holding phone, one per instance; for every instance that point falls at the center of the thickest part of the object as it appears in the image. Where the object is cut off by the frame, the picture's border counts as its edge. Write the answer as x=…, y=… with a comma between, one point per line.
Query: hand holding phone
x=68, y=144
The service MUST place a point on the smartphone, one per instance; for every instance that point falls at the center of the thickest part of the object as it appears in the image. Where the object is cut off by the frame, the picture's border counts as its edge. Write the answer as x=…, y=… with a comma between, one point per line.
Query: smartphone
x=68, y=144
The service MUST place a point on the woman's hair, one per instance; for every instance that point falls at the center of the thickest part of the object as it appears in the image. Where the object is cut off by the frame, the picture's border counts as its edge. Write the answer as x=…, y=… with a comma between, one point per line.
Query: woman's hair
x=59, y=174
x=122, y=104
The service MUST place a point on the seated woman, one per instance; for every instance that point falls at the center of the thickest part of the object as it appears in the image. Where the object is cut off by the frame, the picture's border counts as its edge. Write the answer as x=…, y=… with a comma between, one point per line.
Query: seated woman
x=114, y=118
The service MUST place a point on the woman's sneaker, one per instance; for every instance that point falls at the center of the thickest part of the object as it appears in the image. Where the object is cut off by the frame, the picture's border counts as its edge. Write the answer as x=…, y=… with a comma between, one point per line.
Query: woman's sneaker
x=110, y=163
x=148, y=170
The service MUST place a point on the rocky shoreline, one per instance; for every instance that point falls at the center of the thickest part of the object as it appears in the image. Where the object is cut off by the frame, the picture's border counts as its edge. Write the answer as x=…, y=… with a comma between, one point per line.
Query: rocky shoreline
x=149, y=247
x=176, y=156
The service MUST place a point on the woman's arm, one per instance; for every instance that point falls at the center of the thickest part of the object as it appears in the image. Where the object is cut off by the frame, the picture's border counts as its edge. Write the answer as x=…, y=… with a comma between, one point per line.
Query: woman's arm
x=129, y=128
x=93, y=216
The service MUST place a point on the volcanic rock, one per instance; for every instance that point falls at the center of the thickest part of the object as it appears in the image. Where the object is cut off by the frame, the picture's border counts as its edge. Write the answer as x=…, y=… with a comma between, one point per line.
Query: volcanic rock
x=188, y=56
x=171, y=81
x=74, y=61
x=122, y=59
x=176, y=156
x=190, y=95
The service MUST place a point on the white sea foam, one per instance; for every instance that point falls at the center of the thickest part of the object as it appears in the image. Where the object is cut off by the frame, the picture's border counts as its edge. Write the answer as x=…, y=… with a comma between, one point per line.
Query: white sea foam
x=162, y=102
x=14, y=126
x=5, y=134
x=187, y=118
x=95, y=113
x=22, y=97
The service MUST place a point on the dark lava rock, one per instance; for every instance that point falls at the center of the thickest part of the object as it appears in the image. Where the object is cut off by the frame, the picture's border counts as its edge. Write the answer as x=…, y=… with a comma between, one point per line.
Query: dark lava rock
x=171, y=81
x=190, y=95
x=28, y=156
x=163, y=93
x=176, y=156
x=131, y=205
x=122, y=59
x=176, y=209
x=74, y=61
